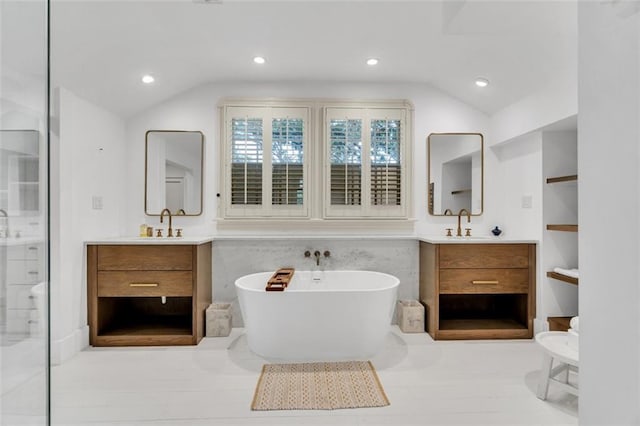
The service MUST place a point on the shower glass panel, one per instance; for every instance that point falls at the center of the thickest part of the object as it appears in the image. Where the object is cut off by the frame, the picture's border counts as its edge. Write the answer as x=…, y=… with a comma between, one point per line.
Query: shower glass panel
x=24, y=324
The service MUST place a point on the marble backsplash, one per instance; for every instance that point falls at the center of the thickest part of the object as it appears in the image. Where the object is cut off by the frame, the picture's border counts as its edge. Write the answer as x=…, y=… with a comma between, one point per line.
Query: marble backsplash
x=233, y=258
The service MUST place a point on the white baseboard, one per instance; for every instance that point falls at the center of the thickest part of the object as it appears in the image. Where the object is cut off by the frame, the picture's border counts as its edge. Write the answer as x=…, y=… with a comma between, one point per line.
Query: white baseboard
x=65, y=348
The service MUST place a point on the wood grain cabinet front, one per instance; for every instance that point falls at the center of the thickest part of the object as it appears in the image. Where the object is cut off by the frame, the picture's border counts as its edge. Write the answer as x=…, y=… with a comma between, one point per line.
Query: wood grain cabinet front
x=478, y=291
x=144, y=295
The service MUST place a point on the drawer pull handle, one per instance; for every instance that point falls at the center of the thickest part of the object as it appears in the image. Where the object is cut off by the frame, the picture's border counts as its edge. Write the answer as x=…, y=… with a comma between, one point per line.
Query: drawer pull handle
x=485, y=282
x=143, y=284
x=32, y=272
x=33, y=248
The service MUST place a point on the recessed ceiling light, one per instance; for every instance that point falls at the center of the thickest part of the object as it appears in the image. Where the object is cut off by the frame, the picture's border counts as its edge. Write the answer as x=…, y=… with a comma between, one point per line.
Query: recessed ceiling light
x=148, y=79
x=259, y=60
x=372, y=61
x=482, y=82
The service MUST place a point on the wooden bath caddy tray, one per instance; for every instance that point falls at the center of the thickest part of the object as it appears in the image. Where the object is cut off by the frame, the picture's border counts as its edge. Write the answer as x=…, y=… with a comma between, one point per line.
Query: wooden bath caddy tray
x=280, y=279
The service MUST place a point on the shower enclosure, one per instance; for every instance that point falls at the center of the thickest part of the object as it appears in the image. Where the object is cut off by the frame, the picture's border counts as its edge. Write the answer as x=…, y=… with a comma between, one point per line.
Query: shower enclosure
x=24, y=324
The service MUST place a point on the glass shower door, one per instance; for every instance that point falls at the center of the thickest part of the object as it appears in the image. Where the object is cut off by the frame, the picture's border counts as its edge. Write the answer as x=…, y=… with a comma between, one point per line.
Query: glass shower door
x=24, y=353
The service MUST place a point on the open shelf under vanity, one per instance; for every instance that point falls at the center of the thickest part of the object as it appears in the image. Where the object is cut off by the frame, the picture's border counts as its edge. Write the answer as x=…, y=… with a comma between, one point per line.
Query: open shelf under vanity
x=465, y=316
x=145, y=318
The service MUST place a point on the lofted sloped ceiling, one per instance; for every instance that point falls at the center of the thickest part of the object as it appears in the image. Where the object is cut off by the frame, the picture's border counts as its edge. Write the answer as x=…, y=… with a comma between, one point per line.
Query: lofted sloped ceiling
x=100, y=49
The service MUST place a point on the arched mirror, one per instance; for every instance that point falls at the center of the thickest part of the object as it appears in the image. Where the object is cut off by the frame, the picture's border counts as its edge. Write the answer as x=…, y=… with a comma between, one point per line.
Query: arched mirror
x=456, y=171
x=173, y=172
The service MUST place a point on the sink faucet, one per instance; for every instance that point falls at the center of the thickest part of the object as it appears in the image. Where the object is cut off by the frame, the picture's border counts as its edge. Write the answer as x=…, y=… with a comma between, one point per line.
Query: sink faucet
x=170, y=230
x=459, y=231
x=181, y=212
x=448, y=212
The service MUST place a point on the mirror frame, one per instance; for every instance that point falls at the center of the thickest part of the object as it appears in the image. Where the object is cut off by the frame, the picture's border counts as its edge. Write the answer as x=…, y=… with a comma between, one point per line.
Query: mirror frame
x=146, y=165
x=430, y=189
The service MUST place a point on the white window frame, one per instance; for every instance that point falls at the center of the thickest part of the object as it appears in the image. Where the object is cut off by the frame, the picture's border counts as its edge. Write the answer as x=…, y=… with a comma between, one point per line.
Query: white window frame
x=316, y=209
x=267, y=113
x=365, y=209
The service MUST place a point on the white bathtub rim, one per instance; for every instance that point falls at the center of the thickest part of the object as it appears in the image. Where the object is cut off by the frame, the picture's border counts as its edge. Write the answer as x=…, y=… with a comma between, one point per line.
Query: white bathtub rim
x=395, y=282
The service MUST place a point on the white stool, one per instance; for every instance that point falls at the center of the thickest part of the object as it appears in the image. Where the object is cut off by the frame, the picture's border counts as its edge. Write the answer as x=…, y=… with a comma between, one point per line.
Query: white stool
x=555, y=347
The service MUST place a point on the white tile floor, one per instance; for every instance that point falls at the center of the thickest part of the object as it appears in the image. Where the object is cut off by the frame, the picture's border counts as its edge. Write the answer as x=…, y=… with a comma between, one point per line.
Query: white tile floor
x=427, y=382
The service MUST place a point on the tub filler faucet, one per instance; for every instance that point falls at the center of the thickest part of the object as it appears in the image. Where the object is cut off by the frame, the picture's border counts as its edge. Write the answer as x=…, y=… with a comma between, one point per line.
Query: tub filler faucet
x=317, y=254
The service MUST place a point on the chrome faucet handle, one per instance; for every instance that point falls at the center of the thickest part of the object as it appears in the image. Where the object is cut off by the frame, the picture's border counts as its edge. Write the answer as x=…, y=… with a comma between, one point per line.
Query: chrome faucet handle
x=307, y=253
x=327, y=253
x=159, y=233
x=468, y=233
x=449, y=232
x=178, y=232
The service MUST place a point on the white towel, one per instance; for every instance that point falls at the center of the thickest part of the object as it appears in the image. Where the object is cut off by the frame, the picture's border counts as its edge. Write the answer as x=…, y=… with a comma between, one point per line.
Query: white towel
x=573, y=273
x=575, y=324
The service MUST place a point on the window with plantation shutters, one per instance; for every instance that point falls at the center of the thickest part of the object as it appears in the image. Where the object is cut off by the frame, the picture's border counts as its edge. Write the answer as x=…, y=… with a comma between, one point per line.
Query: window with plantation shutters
x=266, y=149
x=314, y=160
x=365, y=176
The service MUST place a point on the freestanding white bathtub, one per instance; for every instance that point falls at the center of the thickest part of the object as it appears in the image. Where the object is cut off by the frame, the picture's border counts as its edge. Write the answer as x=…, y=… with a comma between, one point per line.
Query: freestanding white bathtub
x=327, y=315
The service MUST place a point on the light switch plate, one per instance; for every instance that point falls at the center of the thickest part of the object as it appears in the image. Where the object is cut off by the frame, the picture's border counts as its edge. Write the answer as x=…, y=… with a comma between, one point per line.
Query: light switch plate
x=96, y=201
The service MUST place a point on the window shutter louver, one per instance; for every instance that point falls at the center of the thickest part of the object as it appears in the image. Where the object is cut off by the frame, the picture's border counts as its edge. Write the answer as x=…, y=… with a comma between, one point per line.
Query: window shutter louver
x=246, y=161
x=287, y=149
x=346, y=162
x=386, y=170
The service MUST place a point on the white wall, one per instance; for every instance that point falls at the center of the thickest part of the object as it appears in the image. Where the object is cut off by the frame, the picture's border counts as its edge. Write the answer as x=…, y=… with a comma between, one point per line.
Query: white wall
x=552, y=103
x=197, y=110
x=87, y=159
x=520, y=171
x=609, y=202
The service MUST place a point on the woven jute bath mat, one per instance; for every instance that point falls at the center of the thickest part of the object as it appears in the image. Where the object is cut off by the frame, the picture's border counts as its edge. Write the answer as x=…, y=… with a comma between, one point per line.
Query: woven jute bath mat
x=318, y=386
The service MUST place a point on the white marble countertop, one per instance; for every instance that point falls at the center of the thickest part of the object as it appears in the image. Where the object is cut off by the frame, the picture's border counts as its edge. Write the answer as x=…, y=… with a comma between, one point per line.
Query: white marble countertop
x=314, y=237
x=437, y=239
x=150, y=240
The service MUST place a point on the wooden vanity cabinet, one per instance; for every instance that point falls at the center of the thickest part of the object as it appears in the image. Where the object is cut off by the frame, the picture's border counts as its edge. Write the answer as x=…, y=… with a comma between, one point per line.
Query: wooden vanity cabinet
x=478, y=291
x=146, y=295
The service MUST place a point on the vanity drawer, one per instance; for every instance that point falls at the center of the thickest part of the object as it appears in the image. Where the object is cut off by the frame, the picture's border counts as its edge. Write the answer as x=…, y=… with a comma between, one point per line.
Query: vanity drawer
x=145, y=283
x=484, y=281
x=145, y=258
x=484, y=256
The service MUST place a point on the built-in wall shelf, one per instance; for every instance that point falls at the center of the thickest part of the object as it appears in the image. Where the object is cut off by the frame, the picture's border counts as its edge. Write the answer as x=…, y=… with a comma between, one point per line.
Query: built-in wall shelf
x=567, y=228
x=461, y=191
x=558, y=179
x=559, y=323
x=565, y=278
